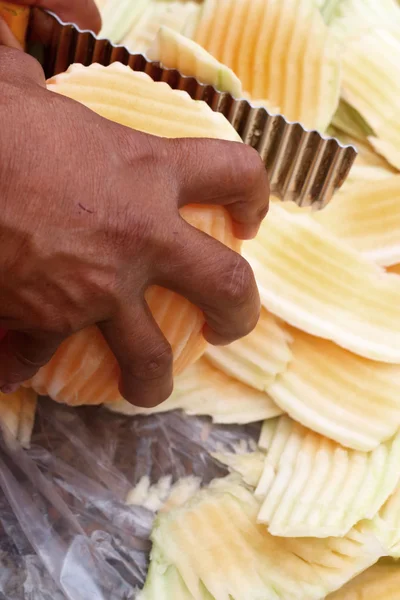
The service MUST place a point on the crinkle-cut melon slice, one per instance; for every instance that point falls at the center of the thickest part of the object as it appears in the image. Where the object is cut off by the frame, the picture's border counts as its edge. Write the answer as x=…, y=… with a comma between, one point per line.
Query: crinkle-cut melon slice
x=368, y=218
x=216, y=545
x=258, y=358
x=387, y=525
x=163, y=495
x=350, y=399
x=371, y=86
x=17, y=415
x=119, y=17
x=349, y=121
x=262, y=103
x=175, y=51
x=167, y=584
x=281, y=51
x=133, y=99
x=291, y=206
x=181, y=492
x=317, y=282
x=249, y=465
x=380, y=582
x=176, y=15
x=350, y=18
x=204, y=390
x=361, y=174
x=84, y=371
x=313, y=487
x=148, y=495
x=366, y=157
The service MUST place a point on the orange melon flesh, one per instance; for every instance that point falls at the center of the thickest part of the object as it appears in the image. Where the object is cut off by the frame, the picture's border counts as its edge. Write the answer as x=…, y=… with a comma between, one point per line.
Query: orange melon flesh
x=83, y=370
x=282, y=52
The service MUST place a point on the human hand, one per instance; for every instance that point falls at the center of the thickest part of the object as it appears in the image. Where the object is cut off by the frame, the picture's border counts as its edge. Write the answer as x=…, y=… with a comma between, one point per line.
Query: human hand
x=90, y=219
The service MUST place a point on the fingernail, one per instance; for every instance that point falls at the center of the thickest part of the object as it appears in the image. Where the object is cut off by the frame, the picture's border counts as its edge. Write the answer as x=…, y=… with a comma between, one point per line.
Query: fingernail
x=10, y=388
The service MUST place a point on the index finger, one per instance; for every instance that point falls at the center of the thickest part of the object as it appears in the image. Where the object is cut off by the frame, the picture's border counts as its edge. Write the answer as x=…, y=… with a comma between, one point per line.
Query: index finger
x=83, y=13
x=230, y=174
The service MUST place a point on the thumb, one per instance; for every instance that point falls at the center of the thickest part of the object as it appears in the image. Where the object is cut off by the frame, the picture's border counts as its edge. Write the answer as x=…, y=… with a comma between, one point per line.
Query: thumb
x=22, y=355
x=18, y=67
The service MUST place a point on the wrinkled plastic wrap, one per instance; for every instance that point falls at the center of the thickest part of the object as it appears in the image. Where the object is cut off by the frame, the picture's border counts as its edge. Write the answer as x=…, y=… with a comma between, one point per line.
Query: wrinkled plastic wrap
x=66, y=531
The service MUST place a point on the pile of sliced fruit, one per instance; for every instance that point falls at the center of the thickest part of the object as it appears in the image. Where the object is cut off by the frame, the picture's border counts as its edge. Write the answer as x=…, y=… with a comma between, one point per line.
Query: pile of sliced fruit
x=314, y=511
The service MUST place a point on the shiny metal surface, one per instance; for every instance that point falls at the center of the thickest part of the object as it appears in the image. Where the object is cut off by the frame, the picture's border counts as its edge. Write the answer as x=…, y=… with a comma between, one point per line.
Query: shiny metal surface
x=303, y=165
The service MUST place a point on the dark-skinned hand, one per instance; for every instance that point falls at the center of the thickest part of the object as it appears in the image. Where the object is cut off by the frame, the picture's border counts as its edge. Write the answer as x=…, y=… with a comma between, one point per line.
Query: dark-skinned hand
x=63, y=268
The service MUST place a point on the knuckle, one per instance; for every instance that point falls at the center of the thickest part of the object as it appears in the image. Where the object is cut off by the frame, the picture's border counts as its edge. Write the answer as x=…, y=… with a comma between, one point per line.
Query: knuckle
x=255, y=176
x=237, y=283
x=156, y=362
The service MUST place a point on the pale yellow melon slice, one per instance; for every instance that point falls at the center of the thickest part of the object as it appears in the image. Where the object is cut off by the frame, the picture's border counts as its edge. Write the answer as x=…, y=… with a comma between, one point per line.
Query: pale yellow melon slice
x=371, y=85
x=249, y=465
x=291, y=206
x=83, y=371
x=204, y=390
x=368, y=218
x=163, y=495
x=313, y=487
x=181, y=492
x=380, y=582
x=360, y=175
x=317, y=282
x=387, y=525
x=350, y=399
x=119, y=17
x=349, y=19
x=258, y=358
x=216, y=548
x=281, y=51
x=17, y=415
x=366, y=157
x=177, y=15
x=175, y=51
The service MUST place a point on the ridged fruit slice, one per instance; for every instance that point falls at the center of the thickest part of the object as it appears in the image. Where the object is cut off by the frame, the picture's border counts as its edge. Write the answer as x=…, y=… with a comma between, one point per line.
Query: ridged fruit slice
x=119, y=17
x=258, y=358
x=366, y=157
x=350, y=399
x=176, y=15
x=281, y=51
x=17, y=415
x=313, y=487
x=249, y=465
x=150, y=496
x=350, y=18
x=163, y=495
x=368, y=218
x=175, y=51
x=204, y=390
x=84, y=371
x=317, y=282
x=361, y=174
x=372, y=86
x=382, y=581
x=387, y=525
x=220, y=552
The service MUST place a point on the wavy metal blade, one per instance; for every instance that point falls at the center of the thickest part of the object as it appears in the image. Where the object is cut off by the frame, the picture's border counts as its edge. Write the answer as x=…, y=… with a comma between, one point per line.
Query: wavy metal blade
x=303, y=165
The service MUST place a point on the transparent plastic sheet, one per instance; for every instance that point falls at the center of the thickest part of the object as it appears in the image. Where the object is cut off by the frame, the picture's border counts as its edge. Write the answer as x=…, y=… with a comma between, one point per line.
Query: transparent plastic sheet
x=65, y=530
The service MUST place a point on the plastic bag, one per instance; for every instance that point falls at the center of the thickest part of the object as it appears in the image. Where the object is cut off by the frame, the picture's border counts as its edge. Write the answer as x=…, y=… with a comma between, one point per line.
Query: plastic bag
x=65, y=530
